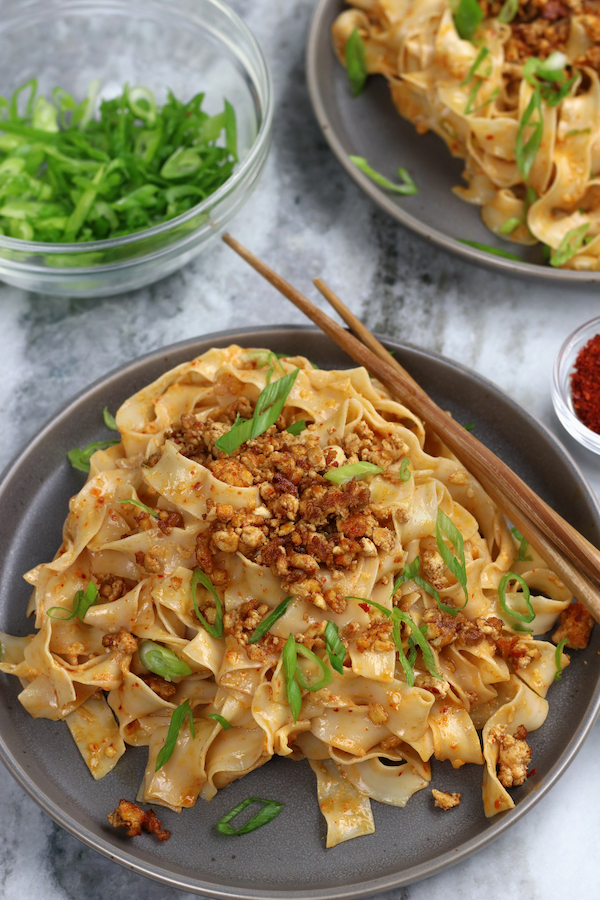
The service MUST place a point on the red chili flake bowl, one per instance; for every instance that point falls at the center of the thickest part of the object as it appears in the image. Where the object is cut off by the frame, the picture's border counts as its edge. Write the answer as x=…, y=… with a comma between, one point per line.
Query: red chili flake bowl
x=576, y=385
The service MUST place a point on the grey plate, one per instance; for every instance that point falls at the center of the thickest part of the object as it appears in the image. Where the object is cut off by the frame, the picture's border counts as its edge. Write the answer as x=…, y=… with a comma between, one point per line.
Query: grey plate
x=369, y=126
x=286, y=859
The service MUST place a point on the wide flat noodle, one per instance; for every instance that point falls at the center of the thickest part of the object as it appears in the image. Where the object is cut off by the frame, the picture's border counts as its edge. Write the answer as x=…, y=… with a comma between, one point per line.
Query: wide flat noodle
x=288, y=553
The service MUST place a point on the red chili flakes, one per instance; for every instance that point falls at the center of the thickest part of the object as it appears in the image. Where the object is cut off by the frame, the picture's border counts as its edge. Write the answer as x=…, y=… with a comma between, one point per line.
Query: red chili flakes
x=533, y=771
x=498, y=804
x=585, y=384
x=364, y=606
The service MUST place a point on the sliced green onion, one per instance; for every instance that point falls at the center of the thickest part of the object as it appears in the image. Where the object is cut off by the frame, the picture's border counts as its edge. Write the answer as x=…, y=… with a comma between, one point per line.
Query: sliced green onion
x=407, y=187
x=526, y=151
x=140, y=505
x=271, y=809
x=483, y=53
x=523, y=545
x=290, y=664
x=177, y=719
x=509, y=226
x=81, y=603
x=297, y=427
x=411, y=573
x=199, y=577
x=570, y=244
x=268, y=408
x=223, y=722
x=405, y=469
x=512, y=576
x=326, y=675
x=359, y=470
x=469, y=427
x=489, y=100
x=162, y=661
x=575, y=131
x=109, y=420
x=444, y=526
x=268, y=623
x=109, y=176
x=398, y=616
x=494, y=250
x=467, y=17
x=356, y=66
x=230, y=130
x=558, y=659
x=336, y=649
x=80, y=459
x=509, y=10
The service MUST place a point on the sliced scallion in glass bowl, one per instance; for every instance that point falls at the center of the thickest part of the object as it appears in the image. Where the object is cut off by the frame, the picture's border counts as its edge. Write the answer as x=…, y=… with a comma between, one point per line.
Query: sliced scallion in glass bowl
x=148, y=130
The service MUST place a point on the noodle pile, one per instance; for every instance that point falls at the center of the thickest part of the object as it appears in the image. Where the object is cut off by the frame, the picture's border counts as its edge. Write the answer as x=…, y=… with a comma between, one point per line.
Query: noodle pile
x=532, y=162
x=264, y=525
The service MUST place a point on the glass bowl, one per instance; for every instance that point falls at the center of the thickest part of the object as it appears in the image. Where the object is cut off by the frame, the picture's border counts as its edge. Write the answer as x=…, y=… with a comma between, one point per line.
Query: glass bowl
x=187, y=46
x=561, y=385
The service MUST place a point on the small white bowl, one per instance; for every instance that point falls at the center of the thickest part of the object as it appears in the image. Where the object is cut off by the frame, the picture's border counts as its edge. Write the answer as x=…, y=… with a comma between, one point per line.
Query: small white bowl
x=561, y=385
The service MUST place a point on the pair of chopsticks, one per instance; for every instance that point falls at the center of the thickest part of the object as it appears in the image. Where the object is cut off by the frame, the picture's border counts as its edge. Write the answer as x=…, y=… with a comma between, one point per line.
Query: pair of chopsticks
x=573, y=558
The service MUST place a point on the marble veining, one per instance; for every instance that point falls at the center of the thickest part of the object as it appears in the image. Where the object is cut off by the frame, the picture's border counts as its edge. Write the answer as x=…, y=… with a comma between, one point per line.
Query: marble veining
x=306, y=218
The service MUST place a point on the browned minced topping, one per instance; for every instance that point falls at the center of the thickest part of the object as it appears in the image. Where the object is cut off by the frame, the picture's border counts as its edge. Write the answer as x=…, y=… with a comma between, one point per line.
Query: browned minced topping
x=166, y=520
x=130, y=816
x=304, y=521
x=445, y=800
x=164, y=689
x=444, y=629
x=514, y=755
x=112, y=588
x=517, y=651
x=575, y=625
x=124, y=642
x=542, y=26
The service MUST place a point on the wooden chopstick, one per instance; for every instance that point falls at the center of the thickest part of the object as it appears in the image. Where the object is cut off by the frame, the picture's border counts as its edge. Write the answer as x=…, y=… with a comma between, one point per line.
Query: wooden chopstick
x=528, y=512
x=575, y=581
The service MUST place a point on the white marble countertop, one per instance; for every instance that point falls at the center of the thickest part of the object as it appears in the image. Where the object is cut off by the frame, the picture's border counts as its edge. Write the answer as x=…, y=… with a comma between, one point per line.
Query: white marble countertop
x=306, y=219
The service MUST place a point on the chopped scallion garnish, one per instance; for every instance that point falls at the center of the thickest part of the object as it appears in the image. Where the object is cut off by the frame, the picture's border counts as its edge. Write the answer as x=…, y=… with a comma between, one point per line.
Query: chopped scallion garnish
x=445, y=527
x=474, y=70
x=411, y=573
x=268, y=623
x=294, y=676
x=199, y=577
x=359, y=470
x=494, y=250
x=268, y=408
x=509, y=10
x=468, y=16
x=271, y=809
x=356, y=66
x=570, y=244
x=506, y=579
x=162, y=661
x=177, y=719
x=80, y=459
x=140, y=505
x=405, y=469
x=523, y=545
x=509, y=226
x=407, y=187
x=558, y=659
x=336, y=649
x=223, y=722
x=81, y=603
x=297, y=427
x=109, y=420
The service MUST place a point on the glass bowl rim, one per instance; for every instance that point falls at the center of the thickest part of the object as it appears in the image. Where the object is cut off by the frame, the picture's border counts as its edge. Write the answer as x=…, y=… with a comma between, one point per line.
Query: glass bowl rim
x=260, y=144
x=561, y=385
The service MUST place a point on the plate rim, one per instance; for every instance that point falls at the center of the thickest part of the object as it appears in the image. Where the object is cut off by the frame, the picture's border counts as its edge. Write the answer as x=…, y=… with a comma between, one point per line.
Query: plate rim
x=126, y=858
x=510, y=267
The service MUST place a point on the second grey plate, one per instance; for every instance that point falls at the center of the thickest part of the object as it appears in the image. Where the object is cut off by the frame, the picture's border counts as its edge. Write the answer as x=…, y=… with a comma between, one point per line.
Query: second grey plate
x=287, y=859
x=369, y=126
